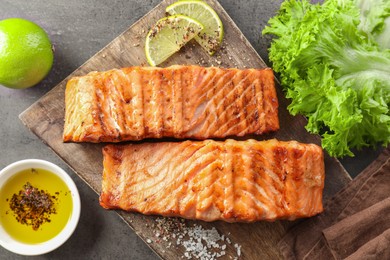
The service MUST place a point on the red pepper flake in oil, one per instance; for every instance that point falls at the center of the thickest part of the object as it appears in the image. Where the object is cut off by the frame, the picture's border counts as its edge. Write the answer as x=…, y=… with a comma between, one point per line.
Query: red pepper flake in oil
x=33, y=207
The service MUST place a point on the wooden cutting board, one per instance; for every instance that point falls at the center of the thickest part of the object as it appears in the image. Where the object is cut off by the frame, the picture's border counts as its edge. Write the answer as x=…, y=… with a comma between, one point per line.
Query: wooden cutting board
x=258, y=240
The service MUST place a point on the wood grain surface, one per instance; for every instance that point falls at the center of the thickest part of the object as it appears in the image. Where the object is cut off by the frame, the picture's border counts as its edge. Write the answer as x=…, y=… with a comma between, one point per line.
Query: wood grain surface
x=45, y=118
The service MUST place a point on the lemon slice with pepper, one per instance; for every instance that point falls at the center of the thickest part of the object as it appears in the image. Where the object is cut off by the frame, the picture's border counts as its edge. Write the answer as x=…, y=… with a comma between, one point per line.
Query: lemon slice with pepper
x=168, y=35
x=210, y=38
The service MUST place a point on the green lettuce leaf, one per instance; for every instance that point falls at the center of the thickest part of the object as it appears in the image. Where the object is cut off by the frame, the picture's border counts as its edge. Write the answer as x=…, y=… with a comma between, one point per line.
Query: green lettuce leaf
x=334, y=65
x=375, y=20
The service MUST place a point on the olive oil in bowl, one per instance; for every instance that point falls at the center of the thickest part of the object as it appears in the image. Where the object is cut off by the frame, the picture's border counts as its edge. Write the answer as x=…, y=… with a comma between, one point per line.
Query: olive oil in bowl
x=35, y=205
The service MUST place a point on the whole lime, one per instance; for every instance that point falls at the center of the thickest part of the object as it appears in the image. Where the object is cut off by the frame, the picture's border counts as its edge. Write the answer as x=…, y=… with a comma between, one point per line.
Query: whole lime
x=26, y=54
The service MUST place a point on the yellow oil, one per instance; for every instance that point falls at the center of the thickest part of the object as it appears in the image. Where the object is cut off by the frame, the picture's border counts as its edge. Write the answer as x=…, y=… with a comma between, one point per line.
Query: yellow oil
x=43, y=180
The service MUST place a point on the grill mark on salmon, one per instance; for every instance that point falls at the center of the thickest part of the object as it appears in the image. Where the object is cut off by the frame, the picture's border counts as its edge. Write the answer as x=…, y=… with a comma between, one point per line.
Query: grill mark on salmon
x=225, y=107
x=179, y=101
x=98, y=113
x=233, y=181
x=235, y=119
x=124, y=99
x=177, y=109
x=221, y=97
x=115, y=104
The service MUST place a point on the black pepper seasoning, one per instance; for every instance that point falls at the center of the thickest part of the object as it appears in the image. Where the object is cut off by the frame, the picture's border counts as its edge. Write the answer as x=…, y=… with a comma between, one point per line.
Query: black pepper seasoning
x=32, y=207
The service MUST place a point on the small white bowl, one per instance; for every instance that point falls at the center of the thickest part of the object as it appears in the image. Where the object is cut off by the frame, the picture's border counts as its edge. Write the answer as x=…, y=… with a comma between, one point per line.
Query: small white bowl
x=17, y=247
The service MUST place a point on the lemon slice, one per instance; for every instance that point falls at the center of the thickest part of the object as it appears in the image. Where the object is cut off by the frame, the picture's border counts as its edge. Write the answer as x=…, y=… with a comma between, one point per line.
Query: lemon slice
x=211, y=36
x=168, y=35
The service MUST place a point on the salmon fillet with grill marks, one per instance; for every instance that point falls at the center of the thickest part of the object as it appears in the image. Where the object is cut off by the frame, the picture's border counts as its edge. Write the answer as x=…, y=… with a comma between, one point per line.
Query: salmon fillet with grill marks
x=234, y=181
x=179, y=101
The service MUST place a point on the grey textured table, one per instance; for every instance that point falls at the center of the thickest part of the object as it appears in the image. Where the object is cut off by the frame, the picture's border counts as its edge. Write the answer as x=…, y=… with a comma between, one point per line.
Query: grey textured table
x=78, y=29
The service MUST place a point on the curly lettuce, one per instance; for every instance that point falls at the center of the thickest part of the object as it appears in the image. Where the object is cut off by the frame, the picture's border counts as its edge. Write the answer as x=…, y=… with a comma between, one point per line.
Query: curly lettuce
x=334, y=64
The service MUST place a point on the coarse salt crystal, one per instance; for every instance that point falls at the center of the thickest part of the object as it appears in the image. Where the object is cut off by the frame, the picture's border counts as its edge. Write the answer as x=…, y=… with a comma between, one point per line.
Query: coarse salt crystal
x=198, y=242
x=239, y=250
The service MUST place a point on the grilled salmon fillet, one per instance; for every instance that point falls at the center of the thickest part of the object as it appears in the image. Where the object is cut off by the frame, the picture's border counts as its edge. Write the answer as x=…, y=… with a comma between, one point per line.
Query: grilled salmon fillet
x=179, y=101
x=233, y=181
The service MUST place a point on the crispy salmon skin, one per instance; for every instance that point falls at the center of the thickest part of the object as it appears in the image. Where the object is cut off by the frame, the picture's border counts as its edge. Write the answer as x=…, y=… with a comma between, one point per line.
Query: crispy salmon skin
x=179, y=101
x=233, y=181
